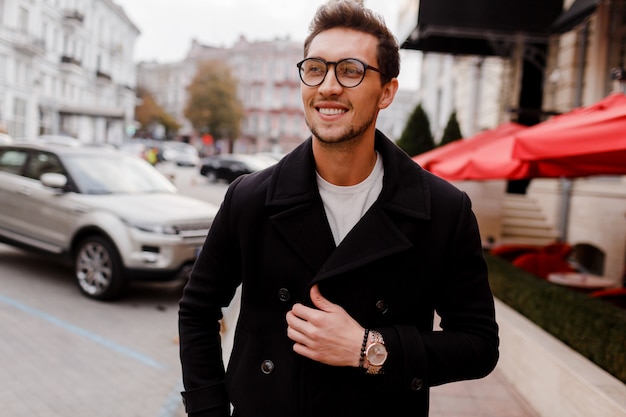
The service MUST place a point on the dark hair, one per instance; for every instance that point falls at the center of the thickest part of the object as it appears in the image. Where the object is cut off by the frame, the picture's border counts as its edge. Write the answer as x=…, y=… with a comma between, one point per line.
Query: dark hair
x=351, y=14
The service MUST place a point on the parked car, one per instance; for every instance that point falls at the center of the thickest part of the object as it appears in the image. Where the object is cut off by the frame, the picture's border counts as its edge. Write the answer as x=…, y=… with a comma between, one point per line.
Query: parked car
x=134, y=148
x=228, y=167
x=180, y=153
x=5, y=139
x=111, y=215
x=59, y=140
x=276, y=156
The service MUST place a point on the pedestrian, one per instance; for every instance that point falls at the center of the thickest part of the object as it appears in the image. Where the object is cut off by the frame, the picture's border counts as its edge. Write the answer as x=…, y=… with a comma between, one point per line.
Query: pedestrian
x=344, y=251
x=152, y=155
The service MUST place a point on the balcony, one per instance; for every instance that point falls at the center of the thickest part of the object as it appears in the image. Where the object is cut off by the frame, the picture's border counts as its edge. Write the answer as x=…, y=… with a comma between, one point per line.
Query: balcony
x=73, y=19
x=73, y=15
x=66, y=59
x=70, y=64
x=103, y=76
x=28, y=44
x=22, y=41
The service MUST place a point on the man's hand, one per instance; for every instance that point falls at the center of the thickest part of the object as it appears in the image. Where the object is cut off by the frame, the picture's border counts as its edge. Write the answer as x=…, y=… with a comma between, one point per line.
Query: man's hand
x=327, y=334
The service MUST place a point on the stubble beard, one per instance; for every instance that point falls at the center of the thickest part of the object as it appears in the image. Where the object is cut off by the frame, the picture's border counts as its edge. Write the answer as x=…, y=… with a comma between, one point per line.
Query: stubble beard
x=349, y=135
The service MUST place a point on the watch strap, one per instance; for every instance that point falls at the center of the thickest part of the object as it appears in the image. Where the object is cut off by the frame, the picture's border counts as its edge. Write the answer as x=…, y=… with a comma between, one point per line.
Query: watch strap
x=376, y=338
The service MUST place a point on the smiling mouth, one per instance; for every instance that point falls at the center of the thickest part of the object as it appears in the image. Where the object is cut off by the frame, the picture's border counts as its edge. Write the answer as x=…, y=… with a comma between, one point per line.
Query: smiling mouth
x=330, y=111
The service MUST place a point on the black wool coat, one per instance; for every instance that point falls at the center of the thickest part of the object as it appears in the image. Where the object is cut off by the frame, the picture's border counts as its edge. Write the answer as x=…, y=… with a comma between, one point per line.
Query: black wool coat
x=415, y=252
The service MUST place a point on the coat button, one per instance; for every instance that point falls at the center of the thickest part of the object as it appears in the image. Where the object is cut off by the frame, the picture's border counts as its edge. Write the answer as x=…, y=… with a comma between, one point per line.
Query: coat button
x=381, y=306
x=283, y=294
x=416, y=384
x=267, y=367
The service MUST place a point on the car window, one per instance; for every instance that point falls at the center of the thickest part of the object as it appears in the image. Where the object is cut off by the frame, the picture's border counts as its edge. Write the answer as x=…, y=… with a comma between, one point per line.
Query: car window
x=114, y=174
x=42, y=163
x=12, y=160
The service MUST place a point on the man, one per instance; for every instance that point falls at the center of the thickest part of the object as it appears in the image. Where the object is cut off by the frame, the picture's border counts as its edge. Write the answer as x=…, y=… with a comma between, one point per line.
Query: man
x=344, y=251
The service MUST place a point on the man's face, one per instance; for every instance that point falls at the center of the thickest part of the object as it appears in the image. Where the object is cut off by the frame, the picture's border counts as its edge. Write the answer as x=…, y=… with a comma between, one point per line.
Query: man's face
x=335, y=113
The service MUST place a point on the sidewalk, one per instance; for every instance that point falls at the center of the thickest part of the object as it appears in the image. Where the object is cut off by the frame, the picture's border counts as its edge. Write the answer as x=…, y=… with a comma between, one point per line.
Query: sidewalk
x=491, y=396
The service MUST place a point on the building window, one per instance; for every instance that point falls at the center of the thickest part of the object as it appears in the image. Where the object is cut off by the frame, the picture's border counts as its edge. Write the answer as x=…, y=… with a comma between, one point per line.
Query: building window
x=23, y=20
x=19, y=118
x=4, y=59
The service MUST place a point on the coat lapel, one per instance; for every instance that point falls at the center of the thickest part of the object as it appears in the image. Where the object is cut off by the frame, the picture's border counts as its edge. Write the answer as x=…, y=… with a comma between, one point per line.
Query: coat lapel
x=375, y=236
x=300, y=213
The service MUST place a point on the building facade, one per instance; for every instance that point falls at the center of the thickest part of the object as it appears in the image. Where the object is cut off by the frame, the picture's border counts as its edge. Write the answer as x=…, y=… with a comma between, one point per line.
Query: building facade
x=490, y=75
x=66, y=67
x=268, y=88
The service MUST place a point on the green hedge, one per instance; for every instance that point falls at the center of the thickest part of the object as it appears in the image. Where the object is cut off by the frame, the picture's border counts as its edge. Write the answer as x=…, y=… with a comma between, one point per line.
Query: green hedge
x=594, y=328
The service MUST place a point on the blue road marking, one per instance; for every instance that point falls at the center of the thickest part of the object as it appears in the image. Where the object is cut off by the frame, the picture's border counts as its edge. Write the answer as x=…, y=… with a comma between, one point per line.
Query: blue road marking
x=173, y=402
x=84, y=333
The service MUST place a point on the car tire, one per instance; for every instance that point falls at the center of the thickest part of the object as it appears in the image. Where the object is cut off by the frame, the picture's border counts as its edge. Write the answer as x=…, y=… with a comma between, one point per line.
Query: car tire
x=98, y=269
x=211, y=176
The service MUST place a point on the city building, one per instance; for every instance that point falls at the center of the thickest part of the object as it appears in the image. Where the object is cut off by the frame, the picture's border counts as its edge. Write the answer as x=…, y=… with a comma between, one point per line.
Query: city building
x=66, y=68
x=268, y=88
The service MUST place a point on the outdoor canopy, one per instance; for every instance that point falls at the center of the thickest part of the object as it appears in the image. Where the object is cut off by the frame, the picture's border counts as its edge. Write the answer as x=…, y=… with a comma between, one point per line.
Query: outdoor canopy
x=460, y=147
x=586, y=141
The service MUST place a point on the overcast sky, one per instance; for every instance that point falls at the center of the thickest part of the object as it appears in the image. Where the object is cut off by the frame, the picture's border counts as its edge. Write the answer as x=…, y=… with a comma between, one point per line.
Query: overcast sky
x=168, y=26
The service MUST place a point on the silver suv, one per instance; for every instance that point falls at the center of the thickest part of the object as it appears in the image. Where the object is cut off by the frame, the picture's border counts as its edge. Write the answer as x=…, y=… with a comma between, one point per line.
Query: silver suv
x=113, y=216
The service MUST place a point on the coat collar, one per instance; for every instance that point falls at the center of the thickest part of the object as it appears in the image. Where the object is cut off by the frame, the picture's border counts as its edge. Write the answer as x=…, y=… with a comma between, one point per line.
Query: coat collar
x=405, y=186
x=299, y=211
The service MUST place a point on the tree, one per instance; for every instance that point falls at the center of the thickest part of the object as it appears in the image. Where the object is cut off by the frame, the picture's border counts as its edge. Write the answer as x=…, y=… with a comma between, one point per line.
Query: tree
x=417, y=137
x=148, y=113
x=213, y=106
x=452, y=131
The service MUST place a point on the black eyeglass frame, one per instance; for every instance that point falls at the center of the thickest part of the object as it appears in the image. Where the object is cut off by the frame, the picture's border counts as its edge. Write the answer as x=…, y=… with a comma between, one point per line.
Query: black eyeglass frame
x=335, y=63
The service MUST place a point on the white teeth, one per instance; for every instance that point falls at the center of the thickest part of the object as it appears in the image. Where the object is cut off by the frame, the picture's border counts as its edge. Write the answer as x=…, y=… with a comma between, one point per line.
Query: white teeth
x=331, y=111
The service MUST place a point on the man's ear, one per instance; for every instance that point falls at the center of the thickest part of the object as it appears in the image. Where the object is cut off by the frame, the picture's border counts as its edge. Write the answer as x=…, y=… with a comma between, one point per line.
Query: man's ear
x=389, y=92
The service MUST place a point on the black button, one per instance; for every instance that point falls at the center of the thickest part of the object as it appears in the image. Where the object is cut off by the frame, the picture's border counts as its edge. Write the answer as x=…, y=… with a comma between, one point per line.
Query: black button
x=381, y=306
x=283, y=294
x=416, y=384
x=267, y=367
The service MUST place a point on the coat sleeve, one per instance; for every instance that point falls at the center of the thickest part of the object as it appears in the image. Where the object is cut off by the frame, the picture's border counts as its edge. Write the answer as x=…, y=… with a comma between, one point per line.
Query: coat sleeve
x=466, y=345
x=211, y=286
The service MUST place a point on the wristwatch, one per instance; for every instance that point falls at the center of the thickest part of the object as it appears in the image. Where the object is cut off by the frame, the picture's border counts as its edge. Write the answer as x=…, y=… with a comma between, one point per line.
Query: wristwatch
x=375, y=353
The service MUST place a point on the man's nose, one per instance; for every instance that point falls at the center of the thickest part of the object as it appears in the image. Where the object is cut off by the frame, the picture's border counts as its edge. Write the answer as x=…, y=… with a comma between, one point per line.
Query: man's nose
x=330, y=85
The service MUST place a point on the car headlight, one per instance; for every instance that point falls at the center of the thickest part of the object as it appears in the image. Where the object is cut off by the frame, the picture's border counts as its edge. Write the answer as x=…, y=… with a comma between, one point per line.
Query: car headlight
x=162, y=229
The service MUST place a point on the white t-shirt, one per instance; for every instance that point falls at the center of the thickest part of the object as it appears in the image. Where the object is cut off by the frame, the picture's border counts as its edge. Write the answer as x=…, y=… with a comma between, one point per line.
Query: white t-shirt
x=345, y=205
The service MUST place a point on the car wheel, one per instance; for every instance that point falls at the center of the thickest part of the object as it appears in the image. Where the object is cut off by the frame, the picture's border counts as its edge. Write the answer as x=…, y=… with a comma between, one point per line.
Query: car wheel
x=211, y=176
x=98, y=269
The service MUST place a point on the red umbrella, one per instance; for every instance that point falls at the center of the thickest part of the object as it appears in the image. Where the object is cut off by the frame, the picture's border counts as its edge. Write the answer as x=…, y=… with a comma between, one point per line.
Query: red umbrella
x=489, y=161
x=586, y=141
x=464, y=147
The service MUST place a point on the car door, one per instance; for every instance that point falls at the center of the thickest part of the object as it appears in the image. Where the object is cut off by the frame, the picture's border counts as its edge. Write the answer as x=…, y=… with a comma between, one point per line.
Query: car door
x=47, y=213
x=12, y=162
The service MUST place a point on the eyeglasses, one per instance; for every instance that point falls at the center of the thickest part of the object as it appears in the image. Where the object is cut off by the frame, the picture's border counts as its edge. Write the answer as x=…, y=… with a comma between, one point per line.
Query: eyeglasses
x=349, y=72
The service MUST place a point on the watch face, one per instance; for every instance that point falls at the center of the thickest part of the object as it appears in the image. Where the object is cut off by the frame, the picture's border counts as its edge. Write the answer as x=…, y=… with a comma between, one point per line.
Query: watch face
x=376, y=354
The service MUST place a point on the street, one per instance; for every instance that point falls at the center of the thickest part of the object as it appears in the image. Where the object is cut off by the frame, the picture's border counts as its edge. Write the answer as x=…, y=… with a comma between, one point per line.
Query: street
x=66, y=355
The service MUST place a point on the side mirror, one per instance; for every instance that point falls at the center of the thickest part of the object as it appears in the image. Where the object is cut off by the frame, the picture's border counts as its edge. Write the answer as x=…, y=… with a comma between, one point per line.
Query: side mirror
x=54, y=180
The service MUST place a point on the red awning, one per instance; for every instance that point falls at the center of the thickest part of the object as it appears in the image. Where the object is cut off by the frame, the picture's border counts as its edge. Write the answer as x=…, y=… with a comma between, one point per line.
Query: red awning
x=586, y=141
x=481, y=157
x=461, y=146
